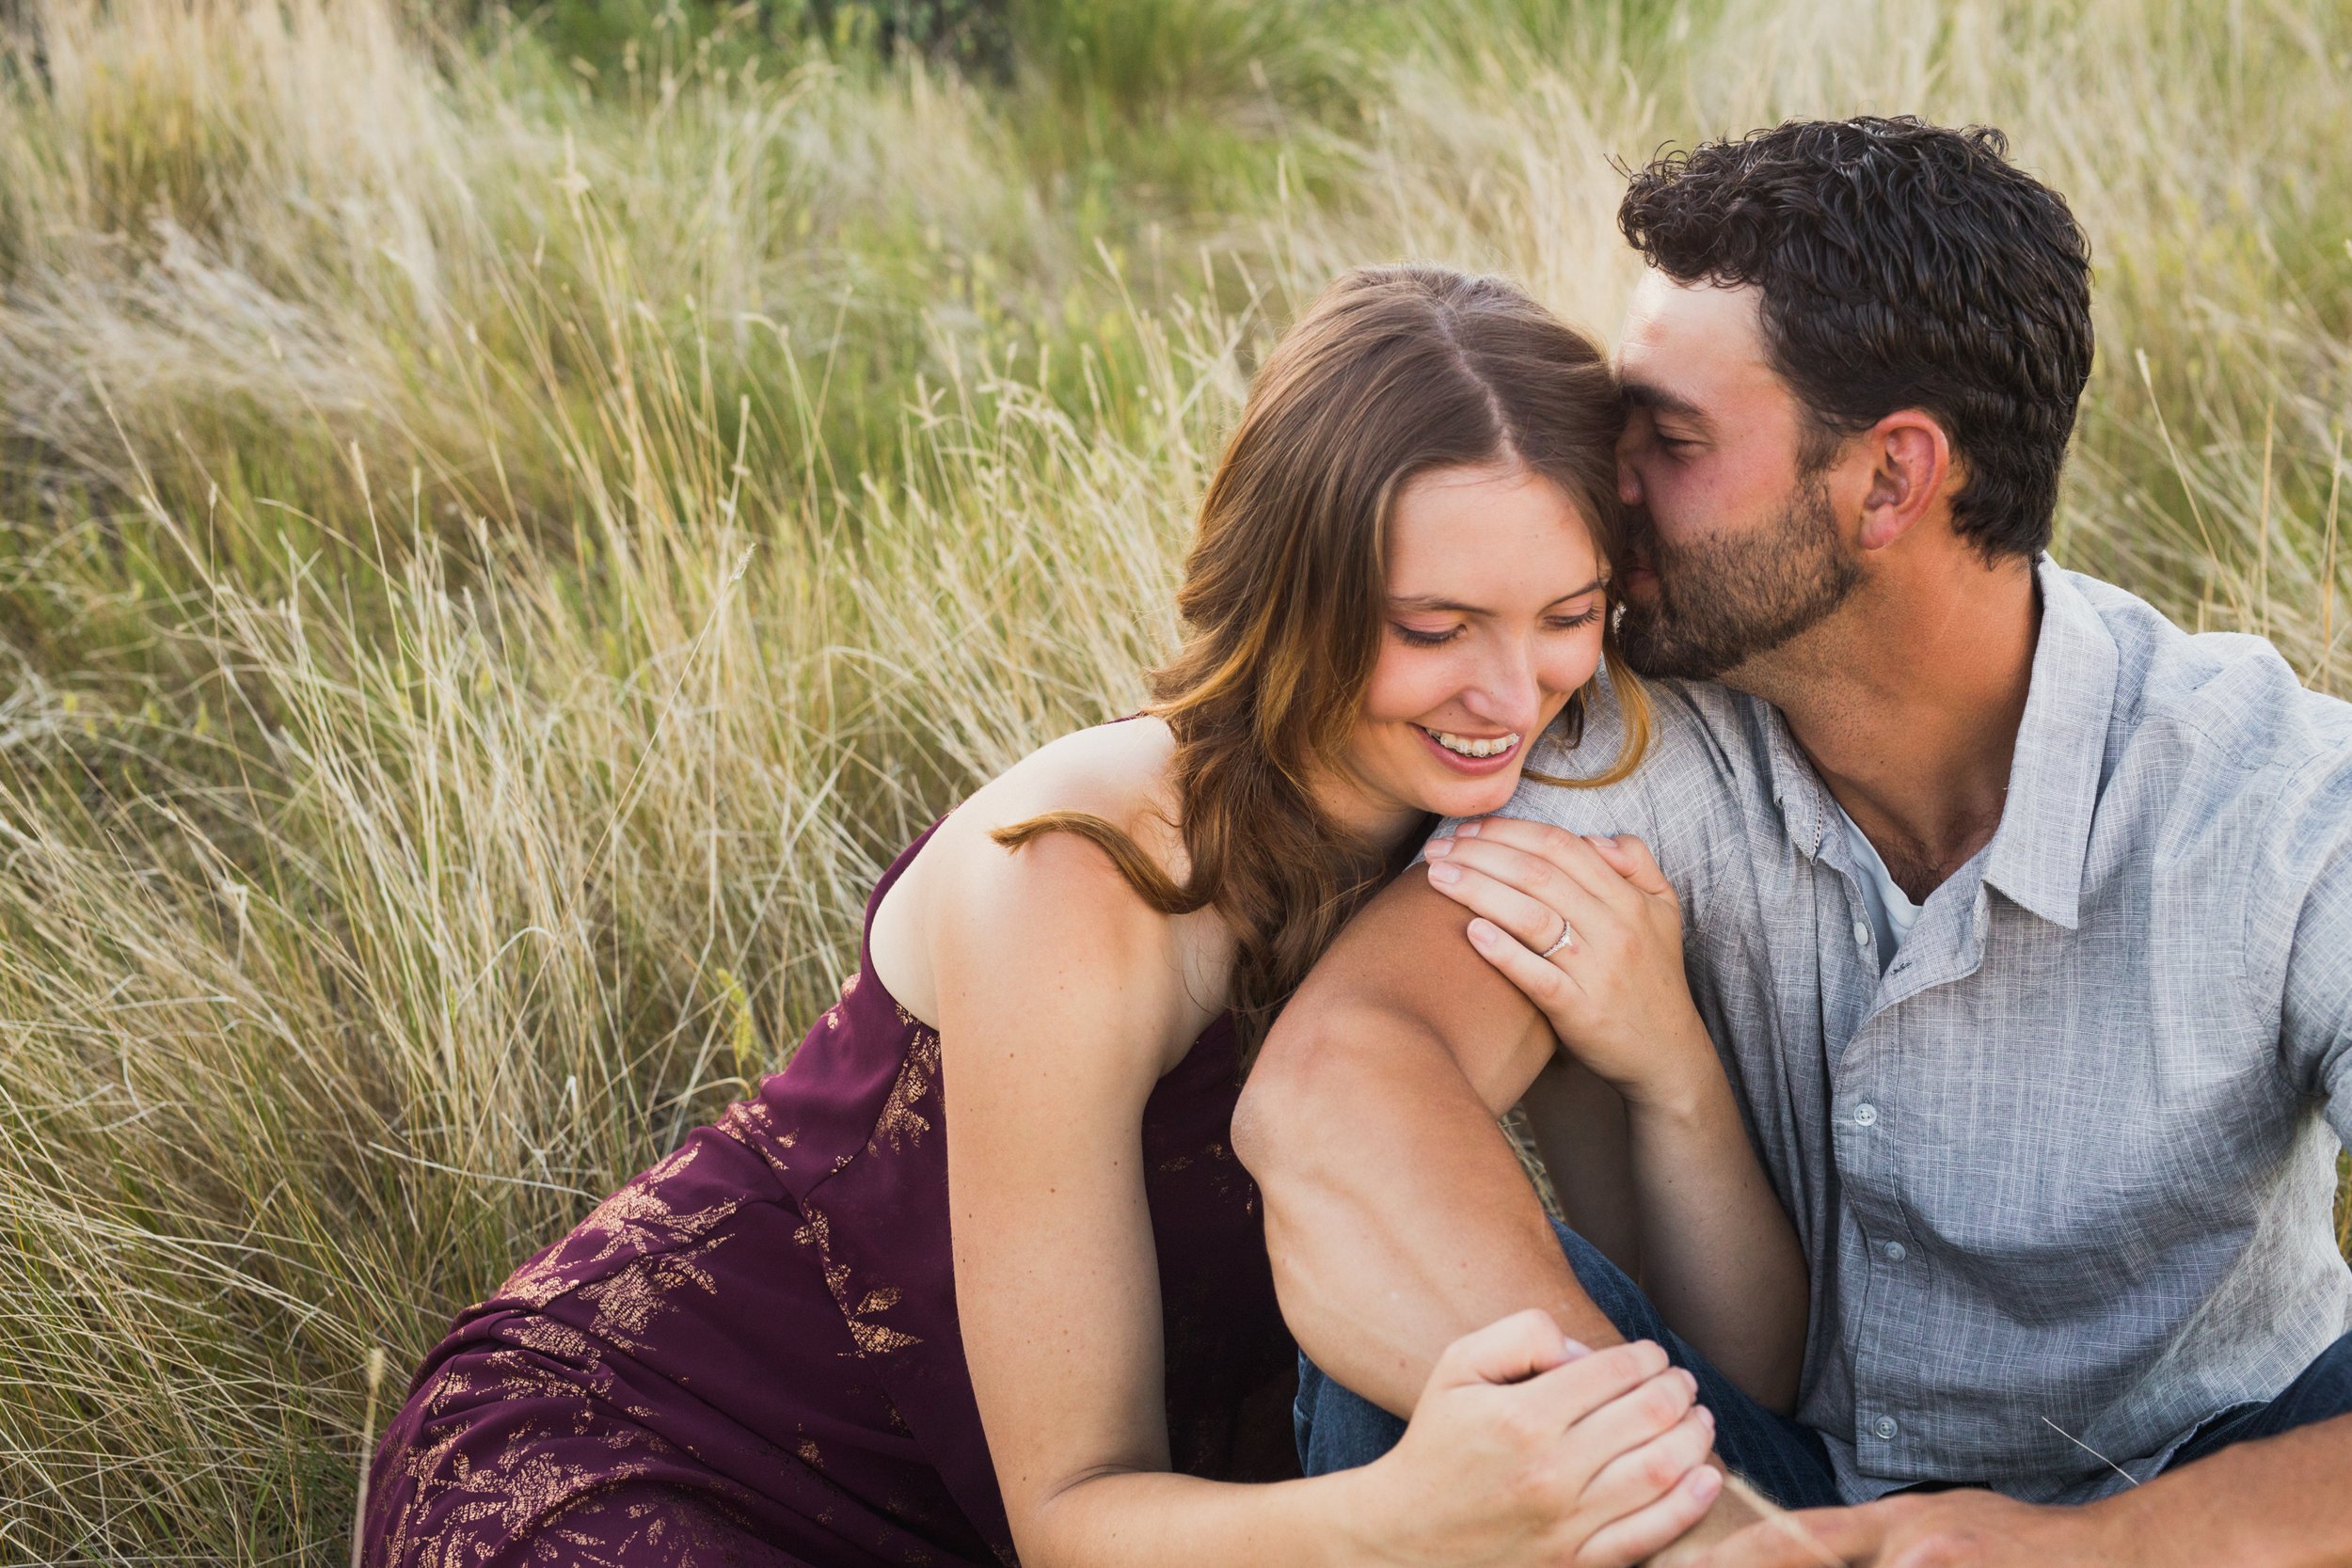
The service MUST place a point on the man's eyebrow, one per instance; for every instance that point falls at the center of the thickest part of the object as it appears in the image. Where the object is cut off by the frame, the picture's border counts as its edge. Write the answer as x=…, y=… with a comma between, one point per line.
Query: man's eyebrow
x=1435, y=605
x=1643, y=394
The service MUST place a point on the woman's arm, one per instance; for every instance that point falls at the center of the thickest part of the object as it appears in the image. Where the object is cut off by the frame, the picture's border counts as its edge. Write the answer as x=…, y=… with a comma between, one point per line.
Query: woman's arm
x=1060, y=1006
x=1718, y=1254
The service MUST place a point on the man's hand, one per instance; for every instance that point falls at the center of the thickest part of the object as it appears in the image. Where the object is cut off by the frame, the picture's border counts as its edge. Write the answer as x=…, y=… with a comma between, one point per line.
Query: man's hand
x=1941, y=1529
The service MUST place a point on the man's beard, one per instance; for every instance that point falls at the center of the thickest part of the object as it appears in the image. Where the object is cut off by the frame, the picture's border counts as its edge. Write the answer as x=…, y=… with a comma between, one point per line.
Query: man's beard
x=1729, y=597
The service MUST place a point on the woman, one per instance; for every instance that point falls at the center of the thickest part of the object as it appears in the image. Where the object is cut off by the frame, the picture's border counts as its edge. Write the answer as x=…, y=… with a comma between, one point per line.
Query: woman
x=864, y=1321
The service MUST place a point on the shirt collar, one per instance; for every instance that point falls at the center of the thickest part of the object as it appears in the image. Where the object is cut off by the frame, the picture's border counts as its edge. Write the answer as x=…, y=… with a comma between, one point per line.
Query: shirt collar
x=2039, y=848
x=2038, y=852
x=1797, y=789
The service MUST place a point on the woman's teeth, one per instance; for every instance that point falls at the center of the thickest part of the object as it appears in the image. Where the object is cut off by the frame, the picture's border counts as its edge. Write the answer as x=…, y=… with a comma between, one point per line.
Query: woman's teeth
x=1470, y=748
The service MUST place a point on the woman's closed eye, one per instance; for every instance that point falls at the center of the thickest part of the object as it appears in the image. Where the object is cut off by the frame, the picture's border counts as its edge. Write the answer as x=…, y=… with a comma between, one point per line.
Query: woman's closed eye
x=1415, y=637
x=1431, y=637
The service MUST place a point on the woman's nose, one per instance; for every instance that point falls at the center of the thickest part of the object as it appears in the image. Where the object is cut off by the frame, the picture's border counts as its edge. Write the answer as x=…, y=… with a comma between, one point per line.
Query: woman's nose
x=1508, y=692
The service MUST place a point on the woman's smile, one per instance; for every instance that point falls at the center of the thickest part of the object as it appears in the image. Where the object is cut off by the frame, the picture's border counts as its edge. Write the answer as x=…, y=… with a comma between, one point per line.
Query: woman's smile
x=1474, y=755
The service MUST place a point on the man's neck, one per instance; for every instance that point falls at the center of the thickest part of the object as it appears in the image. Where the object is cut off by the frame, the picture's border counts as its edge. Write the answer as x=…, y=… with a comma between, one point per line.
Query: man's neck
x=1907, y=702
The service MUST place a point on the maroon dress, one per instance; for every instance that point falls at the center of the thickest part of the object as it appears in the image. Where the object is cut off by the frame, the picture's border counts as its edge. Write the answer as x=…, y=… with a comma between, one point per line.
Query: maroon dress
x=750, y=1353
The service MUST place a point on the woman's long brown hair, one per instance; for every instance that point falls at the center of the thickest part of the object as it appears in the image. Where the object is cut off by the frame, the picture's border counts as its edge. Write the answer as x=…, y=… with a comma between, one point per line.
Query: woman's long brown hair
x=1394, y=371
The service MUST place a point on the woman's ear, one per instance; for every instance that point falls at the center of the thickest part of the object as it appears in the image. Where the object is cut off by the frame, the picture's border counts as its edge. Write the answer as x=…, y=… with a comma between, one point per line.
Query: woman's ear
x=1912, y=472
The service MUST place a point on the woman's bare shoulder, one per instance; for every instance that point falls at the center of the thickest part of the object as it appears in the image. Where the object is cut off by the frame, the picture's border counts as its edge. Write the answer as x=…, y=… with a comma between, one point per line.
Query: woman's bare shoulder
x=963, y=885
x=1117, y=772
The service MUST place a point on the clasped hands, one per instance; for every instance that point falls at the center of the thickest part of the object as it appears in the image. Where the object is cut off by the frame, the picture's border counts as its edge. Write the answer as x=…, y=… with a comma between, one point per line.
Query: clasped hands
x=1590, y=930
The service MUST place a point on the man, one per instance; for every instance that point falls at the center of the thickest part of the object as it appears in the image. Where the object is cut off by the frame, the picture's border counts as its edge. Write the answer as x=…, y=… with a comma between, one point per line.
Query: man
x=2020, y=920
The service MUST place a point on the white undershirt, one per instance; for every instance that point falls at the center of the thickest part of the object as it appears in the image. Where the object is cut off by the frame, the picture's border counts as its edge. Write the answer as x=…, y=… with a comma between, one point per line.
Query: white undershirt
x=1891, y=911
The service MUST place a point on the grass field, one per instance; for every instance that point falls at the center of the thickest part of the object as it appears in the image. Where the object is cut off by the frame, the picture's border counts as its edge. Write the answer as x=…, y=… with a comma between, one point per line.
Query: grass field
x=506, y=524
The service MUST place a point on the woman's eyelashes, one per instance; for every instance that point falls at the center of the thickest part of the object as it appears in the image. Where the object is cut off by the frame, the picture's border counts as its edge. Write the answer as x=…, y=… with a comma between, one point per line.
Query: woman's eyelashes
x=1413, y=637
x=1418, y=637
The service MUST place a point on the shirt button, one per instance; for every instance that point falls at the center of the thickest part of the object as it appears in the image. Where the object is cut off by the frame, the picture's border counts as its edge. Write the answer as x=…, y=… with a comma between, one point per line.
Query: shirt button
x=1865, y=1114
x=1895, y=1253
x=1884, y=1426
x=1862, y=933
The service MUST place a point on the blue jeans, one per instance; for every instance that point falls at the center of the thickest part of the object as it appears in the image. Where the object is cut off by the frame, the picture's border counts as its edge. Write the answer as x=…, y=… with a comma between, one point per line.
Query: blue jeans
x=1784, y=1460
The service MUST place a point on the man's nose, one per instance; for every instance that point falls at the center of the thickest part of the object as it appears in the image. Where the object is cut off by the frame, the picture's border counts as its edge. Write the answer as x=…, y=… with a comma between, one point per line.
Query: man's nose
x=1629, y=481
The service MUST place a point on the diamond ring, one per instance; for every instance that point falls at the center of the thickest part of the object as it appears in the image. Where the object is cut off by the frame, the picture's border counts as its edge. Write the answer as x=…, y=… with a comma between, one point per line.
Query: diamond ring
x=1566, y=933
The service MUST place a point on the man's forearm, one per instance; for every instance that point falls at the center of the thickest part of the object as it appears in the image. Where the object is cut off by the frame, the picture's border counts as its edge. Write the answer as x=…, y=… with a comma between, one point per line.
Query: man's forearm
x=1397, y=1216
x=2276, y=1502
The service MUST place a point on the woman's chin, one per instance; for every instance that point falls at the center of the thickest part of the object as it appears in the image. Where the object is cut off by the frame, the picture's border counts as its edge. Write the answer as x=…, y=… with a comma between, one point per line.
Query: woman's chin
x=1457, y=797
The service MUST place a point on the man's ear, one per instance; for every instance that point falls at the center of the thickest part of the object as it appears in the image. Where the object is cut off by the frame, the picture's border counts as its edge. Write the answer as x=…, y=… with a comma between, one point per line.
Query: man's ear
x=1911, y=468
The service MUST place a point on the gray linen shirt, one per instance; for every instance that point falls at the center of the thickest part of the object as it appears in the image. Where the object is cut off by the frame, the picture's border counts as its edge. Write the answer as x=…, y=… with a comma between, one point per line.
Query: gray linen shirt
x=2063, y=1172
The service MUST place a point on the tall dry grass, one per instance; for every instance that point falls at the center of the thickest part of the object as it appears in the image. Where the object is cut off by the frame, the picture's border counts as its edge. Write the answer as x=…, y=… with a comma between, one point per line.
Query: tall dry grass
x=496, y=553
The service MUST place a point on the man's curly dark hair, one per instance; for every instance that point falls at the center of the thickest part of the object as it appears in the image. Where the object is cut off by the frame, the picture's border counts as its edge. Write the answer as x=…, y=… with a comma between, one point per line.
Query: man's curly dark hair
x=1902, y=266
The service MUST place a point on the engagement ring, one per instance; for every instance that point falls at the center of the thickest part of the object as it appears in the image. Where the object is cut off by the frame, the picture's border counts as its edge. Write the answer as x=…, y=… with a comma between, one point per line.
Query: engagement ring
x=1566, y=932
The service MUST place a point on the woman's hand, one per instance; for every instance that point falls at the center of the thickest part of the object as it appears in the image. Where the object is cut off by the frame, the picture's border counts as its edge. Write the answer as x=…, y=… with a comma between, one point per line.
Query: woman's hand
x=1590, y=929
x=1529, y=1451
